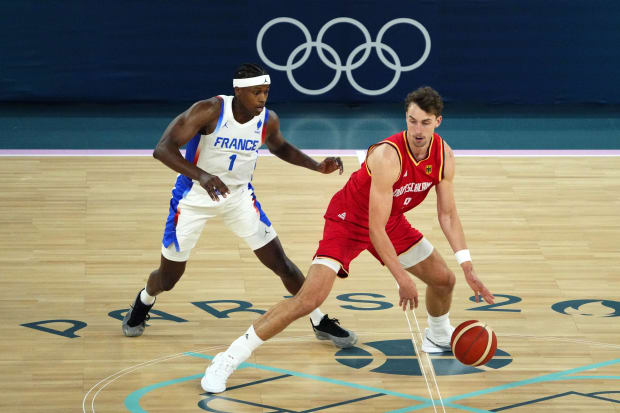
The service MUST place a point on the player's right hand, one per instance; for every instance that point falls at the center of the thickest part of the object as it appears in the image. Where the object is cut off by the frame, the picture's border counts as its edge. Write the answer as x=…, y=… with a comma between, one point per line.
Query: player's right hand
x=477, y=286
x=213, y=185
x=408, y=293
x=331, y=164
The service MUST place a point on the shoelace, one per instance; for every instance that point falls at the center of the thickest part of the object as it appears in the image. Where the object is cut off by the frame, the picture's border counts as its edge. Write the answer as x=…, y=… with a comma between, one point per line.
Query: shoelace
x=334, y=320
x=146, y=318
x=223, y=367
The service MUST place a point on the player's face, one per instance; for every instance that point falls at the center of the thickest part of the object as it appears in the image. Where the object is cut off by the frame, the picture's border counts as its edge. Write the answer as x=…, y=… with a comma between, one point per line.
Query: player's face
x=253, y=98
x=420, y=125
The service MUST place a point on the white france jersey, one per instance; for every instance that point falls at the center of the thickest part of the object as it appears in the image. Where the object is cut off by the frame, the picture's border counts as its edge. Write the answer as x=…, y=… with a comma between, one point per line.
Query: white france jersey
x=230, y=153
x=231, y=150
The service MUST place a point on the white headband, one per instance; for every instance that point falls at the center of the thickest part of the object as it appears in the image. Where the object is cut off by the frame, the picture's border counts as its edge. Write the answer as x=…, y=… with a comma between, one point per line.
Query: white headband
x=252, y=81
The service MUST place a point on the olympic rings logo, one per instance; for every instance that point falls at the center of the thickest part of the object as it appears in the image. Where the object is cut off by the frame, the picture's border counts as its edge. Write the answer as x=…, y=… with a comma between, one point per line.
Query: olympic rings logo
x=336, y=62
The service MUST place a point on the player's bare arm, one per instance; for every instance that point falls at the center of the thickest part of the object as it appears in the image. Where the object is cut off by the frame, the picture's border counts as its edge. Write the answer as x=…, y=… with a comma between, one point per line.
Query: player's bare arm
x=284, y=150
x=451, y=225
x=384, y=165
x=200, y=117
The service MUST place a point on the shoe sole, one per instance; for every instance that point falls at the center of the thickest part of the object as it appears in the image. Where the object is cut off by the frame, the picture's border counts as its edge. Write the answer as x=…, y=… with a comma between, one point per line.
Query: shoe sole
x=129, y=331
x=340, y=342
x=432, y=348
x=428, y=346
x=205, y=387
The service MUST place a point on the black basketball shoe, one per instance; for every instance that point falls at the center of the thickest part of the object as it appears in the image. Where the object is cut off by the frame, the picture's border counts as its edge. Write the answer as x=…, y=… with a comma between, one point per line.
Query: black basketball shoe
x=329, y=329
x=135, y=320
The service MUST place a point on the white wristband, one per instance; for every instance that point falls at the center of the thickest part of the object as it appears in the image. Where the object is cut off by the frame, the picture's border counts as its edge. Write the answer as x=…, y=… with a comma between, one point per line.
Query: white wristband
x=462, y=256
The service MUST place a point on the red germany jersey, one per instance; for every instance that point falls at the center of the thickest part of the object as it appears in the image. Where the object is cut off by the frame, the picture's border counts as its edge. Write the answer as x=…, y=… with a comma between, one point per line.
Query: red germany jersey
x=410, y=189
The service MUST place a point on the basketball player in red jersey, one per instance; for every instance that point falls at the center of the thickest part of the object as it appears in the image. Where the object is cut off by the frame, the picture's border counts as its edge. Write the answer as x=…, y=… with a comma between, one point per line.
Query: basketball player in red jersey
x=368, y=214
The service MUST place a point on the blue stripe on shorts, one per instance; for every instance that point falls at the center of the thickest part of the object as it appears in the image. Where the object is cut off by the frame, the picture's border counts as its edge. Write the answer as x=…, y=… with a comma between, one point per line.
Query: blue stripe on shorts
x=263, y=216
x=180, y=190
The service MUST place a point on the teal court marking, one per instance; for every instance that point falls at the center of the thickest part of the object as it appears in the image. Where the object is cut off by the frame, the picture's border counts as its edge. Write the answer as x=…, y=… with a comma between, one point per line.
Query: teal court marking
x=323, y=379
x=560, y=375
x=132, y=402
x=591, y=378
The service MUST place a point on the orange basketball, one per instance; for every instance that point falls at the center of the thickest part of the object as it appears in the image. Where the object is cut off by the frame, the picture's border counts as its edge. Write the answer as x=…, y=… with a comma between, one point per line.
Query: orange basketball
x=473, y=343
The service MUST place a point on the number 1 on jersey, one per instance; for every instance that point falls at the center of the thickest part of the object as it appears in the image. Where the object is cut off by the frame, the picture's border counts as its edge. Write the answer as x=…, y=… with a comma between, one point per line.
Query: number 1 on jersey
x=232, y=161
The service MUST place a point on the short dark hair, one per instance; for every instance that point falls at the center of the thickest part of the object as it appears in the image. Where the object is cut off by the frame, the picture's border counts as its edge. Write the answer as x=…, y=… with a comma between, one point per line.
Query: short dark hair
x=247, y=70
x=427, y=99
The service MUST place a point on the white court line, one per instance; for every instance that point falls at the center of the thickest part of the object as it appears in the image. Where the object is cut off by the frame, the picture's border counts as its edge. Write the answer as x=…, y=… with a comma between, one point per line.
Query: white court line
x=113, y=377
x=360, y=154
x=127, y=370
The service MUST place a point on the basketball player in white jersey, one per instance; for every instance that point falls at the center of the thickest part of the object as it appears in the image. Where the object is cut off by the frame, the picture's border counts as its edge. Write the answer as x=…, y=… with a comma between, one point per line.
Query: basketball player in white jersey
x=223, y=135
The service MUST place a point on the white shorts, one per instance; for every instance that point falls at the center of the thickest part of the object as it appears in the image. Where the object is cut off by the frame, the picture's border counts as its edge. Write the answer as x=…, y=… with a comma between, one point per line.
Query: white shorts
x=240, y=211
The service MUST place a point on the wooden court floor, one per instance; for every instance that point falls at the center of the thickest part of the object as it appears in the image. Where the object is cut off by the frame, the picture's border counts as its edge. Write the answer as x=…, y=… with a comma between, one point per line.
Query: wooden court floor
x=79, y=236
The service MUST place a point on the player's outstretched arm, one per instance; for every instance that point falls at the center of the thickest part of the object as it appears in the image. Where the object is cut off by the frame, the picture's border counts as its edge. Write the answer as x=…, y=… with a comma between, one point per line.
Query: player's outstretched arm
x=288, y=152
x=453, y=229
x=384, y=164
x=200, y=117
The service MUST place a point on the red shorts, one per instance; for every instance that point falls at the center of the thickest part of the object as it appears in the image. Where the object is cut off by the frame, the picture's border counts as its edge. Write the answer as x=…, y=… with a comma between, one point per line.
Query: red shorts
x=343, y=241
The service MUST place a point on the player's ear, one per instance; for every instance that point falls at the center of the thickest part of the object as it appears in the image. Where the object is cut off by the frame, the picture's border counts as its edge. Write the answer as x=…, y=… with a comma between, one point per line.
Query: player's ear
x=438, y=121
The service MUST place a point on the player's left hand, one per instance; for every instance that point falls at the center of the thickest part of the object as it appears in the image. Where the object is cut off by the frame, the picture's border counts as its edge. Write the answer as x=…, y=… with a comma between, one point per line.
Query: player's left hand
x=476, y=285
x=331, y=164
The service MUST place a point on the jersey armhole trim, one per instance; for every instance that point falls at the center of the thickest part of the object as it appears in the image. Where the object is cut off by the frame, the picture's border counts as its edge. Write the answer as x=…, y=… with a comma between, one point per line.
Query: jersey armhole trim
x=219, y=120
x=442, y=151
x=400, y=157
x=264, y=131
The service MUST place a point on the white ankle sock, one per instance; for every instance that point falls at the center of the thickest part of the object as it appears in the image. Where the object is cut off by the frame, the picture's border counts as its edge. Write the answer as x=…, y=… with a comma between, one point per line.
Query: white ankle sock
x=440, y=326
x=241, y=349
x=316, y=316
x=146, y=298
x=246, y=344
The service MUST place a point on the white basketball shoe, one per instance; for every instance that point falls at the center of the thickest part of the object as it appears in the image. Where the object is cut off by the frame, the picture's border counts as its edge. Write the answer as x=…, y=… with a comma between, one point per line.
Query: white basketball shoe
x=436, y=344
x=216, y=375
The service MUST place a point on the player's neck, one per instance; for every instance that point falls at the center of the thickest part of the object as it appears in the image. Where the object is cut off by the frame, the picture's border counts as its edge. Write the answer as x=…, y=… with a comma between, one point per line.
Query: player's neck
x=239, y=113
x=418, y=152
x=421, y=152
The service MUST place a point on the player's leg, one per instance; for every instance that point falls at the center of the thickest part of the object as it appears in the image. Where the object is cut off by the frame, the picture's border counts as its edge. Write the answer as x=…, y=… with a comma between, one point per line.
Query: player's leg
x=248, y=221
x=418, y=256
x=266, y=245
x=182, y=231
x=272, y=256
x=162, y=279
x=434, y=272
x=315, y=289
x=325, y=328
x=313, y=292
x=165, y=277
x=425, y=262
